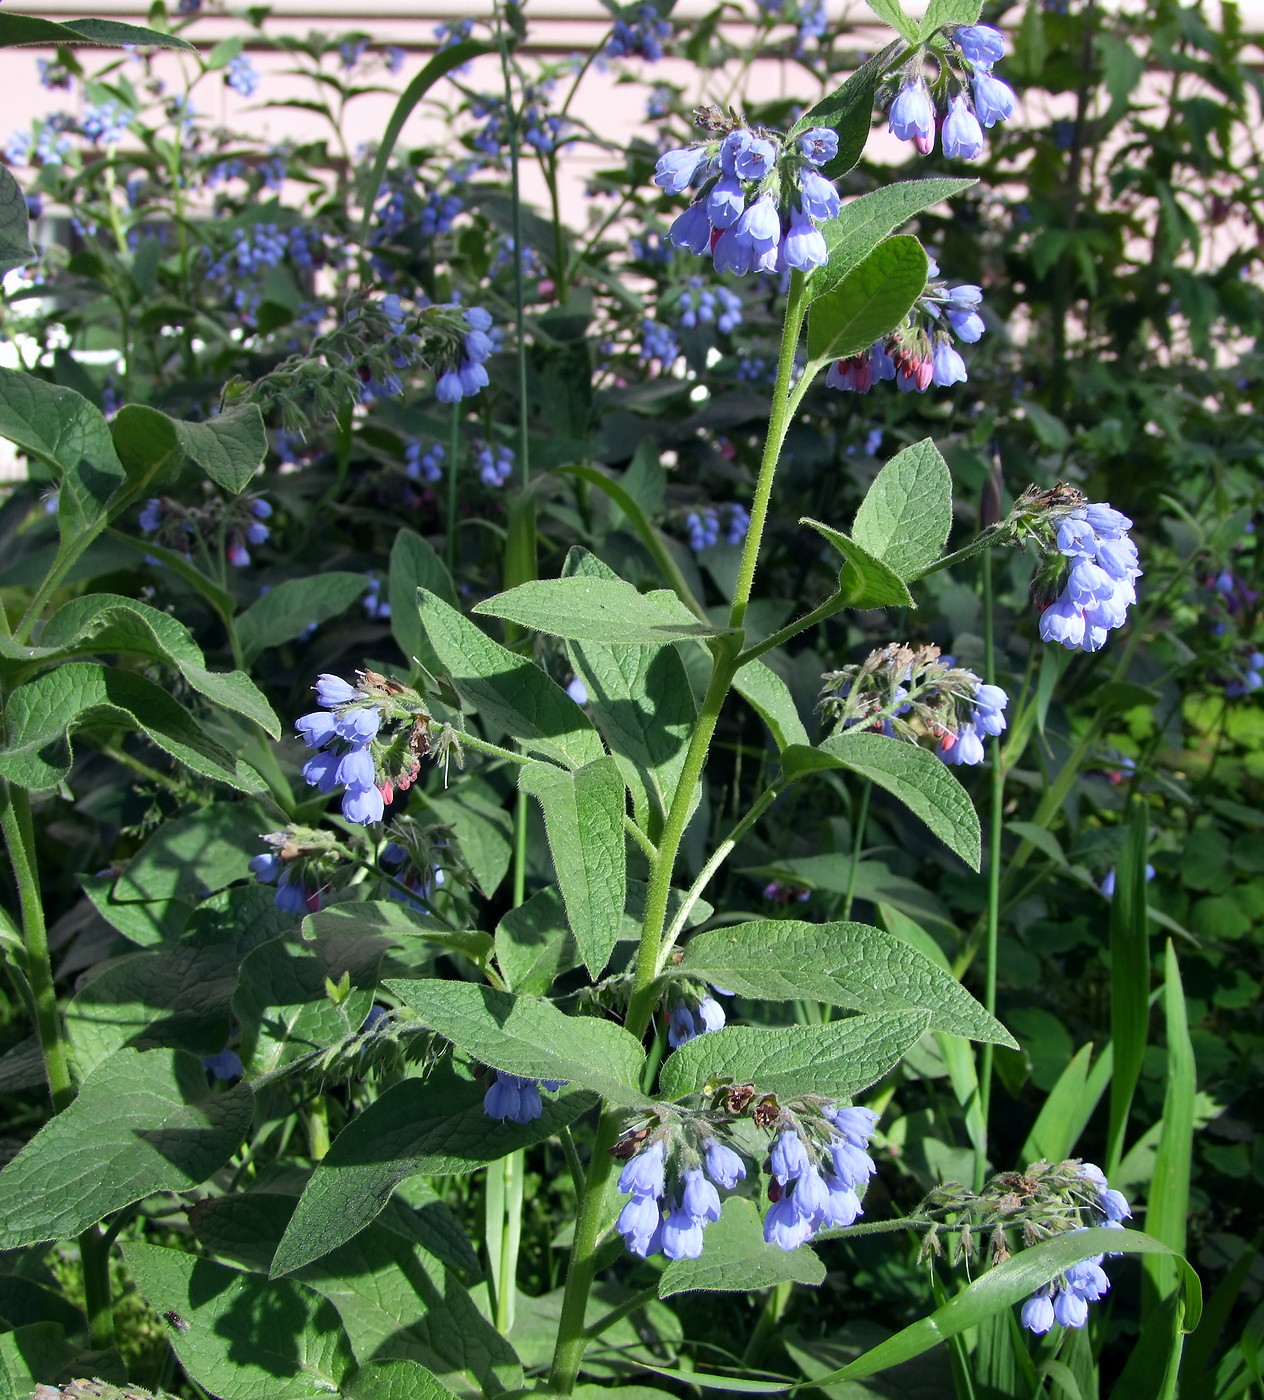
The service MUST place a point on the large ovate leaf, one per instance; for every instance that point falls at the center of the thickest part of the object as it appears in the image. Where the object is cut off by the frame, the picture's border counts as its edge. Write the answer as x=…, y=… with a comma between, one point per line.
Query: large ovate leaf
x=865, y=582
x=294, y=606
x=144, y=1121
x=482, y=827
x=102, y=623
x=848, y=110
x=42, y=715
x=15, y=224
x=641, y=701
x=843, y=964
x=512, y=692
x=68, y=434
x=870, y=302
x=737, y=1260
x=948, y=14
x=591, y=609
x=394, y=920
x=906, y=514
x=836, y=1060
x=532, y=1038
x=863, y=223
x=243, y=1334
x=396, y=1379
x=284, y=1007
x=189, y=857
x=920, y=780
x=434, y=1126
x=583, y=818
x=396, y=1299
x=534, y=944
x=153, y=446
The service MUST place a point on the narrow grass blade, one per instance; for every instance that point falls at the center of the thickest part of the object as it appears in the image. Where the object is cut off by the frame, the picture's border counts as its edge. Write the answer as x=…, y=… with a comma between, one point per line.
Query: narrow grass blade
x=1129, y=979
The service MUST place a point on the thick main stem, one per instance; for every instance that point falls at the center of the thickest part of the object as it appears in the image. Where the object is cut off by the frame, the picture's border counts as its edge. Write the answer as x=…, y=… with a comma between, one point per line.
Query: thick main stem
x=19, y=837
x=571, y=1338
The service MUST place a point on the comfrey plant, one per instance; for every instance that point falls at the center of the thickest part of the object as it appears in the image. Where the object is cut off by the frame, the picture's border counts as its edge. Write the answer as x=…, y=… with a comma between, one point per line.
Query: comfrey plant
x=514, y=953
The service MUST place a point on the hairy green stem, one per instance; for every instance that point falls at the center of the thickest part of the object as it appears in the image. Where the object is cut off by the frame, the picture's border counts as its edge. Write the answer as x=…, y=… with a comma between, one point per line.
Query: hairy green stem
x=996, y=822
x=94, y=1260
x=571, y=1338
x=19, y=838
x=857, y=845
x=835, y=603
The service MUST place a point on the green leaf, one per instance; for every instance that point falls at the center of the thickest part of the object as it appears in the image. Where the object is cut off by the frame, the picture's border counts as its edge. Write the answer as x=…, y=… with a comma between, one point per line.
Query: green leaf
x=867, y=582
x=1129, y=978
x=922, y=782
x=736, y=1259
x=67, y=433
x=414, y=565
x=245, y=1335
x=531, y=1038
x=188, y=857
x=389, y=918
x=906, y=514
x=434, y=1126
x=863, y=223
x=764, y=690
x=594, y=609
x=534, y=945
x=182, y=567
x=836, y=1060
x=583, y=818
x=513, y=693
x=848, y=110
x=293, y=606
x=1065, y=1111
x=27, y=29
x=641, y=701
x=144, y=1121
x=229, y=447
x=396, y=1299
x=948, y=14
x=42, y=714
x=483, y=829
x=284, y=1007
x=15, y=224
x=1167, y=1205
x=842, y=964
x=101, y=623
x=870, y=301
x=397, y=1379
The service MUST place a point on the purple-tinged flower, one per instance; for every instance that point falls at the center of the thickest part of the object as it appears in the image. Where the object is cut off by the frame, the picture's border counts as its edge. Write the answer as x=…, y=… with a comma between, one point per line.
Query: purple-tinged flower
x=356, y=769
x=640, y=1223
x=359, y=724
x=317, y=729
x=512, y=1098
x=333, y=690
x=755, y=159
x=1037, y=1314
x=994, y=100
x=911, y=114
x=644, y=1174
x=962, y=134
x=980, y=43
x=819, y=145
x=1070, y=1309
x=675, y=169
x=700, y=1199
x=789, y=1158
x=682, y=1236
x=363, y=805
x=321, y=771
x=266, y=868
x=805, y=243
x=692, y=229
x=818, y=195
x=726, y=202
x=723, y=1165
x=947, y=366
x=151, y=516
x=842, y=1205
x=242, y=76
x=784, y=1226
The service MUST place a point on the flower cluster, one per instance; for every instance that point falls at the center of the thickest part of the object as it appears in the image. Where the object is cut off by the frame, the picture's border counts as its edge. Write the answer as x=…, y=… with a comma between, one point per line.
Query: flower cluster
x=467, y=376
x=1065, y=1300
x=513, y=1098
x=242, y=76
x=1100, y=582
x=974, y=96
x=693, y=1017
x=658, y=342
x=241, y=521
x=913, y=694
x=654, y=1221
x=1251, y=677
x=374, y=605
x=760, y=197
x=495, y=463
x=301, y=863
x=424, y=463
x=814, y=1182
x=639, y=37
x=703, y=306
x=920, y=352
x=352, y=753
x=707, y=525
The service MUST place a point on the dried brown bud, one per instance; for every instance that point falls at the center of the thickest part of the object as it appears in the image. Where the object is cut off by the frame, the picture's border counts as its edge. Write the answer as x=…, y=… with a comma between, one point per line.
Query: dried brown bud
x=767, y=1111
x=736, y=1098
